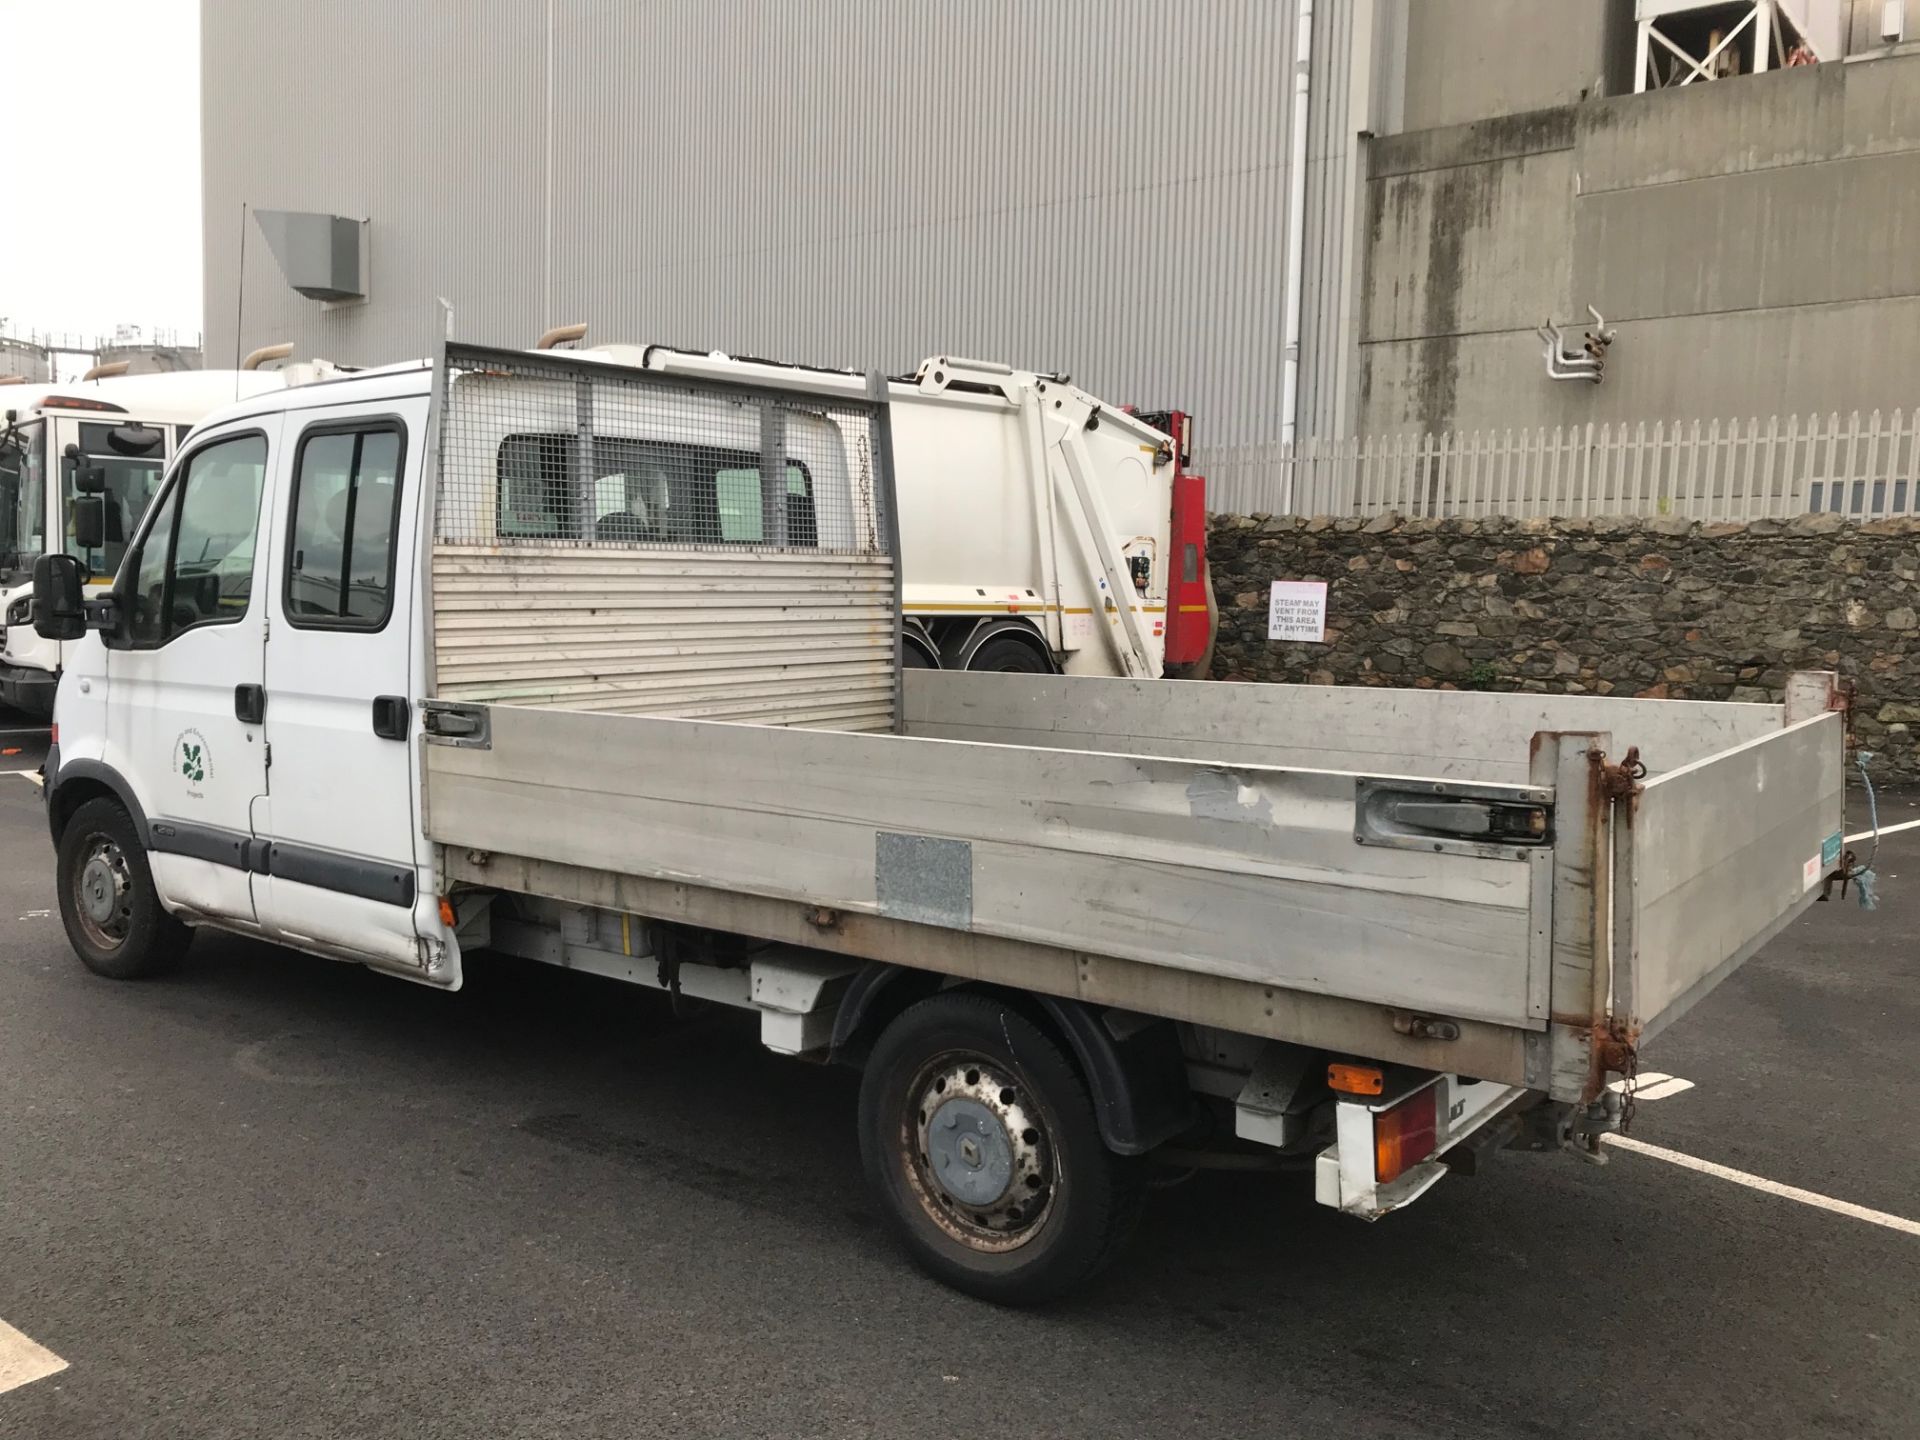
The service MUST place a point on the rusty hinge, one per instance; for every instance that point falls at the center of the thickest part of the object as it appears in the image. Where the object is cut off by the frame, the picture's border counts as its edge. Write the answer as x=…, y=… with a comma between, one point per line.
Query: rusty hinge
x=1622, y=781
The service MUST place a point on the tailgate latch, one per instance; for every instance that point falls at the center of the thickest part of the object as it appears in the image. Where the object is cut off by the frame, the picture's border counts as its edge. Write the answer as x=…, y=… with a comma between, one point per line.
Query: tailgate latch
x=450, y=722
x=1495, y=821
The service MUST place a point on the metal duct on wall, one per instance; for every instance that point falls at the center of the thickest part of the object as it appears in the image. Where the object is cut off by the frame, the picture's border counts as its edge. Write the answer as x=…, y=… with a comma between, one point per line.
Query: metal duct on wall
x=319, y=254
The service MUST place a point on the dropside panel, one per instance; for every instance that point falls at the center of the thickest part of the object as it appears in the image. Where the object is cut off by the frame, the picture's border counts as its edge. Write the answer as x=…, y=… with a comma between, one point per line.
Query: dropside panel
x=1439, y=734
x=1724, y=854
x=1233, y=871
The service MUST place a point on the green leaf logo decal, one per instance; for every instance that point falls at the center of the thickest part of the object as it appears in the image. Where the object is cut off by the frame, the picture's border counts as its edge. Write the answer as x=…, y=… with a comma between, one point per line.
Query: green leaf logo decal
x=190, y=756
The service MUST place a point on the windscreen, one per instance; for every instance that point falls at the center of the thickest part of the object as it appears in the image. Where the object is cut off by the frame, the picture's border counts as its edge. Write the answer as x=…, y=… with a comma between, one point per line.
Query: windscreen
x=23, y=508
x=131, y=483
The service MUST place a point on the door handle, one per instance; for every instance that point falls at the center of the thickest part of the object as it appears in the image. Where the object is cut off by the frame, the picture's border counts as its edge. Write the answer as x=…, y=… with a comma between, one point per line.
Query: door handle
x=250, y=703
x=390, y=717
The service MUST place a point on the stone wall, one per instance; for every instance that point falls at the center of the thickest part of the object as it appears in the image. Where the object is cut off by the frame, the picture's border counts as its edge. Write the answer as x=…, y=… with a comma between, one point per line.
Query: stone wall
x=1658, y=608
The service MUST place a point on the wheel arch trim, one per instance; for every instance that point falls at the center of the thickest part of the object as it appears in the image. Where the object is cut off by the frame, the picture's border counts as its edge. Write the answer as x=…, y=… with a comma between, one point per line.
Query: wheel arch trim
x=62, y=800
x=1137, y=1084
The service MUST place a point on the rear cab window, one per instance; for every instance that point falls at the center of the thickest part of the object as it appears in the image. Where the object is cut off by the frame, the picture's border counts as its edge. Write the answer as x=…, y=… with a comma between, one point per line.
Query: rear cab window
x=645, y=492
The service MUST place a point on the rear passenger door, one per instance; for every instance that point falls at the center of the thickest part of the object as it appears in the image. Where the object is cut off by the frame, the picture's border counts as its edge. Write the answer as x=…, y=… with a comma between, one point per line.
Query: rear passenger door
x=342, y=869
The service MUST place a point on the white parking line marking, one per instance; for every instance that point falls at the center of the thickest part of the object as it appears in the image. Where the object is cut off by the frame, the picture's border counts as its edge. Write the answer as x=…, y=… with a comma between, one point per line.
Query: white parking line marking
x=22, y=1362
x=1766, y=1186
x=1884, y=830
x=1651, y=1085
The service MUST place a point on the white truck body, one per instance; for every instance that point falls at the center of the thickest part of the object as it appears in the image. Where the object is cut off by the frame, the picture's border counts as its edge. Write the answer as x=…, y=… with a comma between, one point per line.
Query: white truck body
x=1000, y=539
x=1366, y=928
x=36, y=487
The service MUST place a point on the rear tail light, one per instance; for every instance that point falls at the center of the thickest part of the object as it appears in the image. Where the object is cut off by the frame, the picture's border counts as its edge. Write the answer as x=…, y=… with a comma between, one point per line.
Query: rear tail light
x=53, y=734
x=1405, y=1135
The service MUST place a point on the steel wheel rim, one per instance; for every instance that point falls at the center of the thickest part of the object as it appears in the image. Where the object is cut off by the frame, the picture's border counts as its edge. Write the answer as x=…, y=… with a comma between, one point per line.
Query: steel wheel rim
x=979, y=1156
x=103, y=893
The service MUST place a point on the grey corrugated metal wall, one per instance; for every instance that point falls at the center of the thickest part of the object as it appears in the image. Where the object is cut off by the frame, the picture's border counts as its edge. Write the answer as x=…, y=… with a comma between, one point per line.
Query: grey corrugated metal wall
x=1098, y=186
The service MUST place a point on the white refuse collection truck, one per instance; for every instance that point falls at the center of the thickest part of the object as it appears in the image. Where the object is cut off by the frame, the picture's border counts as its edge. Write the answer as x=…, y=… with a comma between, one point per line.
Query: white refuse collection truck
x=79, y=462
x=1013, y=557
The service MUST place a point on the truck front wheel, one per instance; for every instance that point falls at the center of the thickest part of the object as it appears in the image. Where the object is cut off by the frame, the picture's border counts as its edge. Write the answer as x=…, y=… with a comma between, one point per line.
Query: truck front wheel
x=980, y=1137
x=112, y=912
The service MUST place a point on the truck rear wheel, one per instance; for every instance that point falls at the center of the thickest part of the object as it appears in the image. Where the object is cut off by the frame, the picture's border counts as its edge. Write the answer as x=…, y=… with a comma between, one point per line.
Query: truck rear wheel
x=108, y=903
x=1009, y=654
x=981, y=1138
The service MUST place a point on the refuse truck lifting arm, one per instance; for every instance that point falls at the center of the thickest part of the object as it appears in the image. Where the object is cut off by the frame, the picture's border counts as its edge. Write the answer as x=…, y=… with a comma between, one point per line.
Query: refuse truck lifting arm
x=1075, y=415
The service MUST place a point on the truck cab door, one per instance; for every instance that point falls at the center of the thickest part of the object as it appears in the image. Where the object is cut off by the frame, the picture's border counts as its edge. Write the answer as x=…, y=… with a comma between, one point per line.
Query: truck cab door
x=186, y=678
x=347, y=869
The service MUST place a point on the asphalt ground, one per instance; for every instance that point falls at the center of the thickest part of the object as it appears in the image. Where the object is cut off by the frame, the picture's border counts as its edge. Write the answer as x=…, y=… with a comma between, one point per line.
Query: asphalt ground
x=271, y=1196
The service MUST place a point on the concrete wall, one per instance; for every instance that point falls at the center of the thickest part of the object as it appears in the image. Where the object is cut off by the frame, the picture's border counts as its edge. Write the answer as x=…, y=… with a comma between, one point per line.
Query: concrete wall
x=1756, y=243
x=1476, y=59
x=1660, y=608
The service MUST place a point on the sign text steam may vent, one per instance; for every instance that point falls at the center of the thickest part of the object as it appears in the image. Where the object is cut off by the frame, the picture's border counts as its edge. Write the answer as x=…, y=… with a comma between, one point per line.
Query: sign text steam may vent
x=1298, y=611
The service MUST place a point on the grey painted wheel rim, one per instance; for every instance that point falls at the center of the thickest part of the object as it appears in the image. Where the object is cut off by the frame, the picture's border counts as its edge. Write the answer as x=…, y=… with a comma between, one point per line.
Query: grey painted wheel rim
x=981, y=1161
x=103, y=893
x=969, y=1153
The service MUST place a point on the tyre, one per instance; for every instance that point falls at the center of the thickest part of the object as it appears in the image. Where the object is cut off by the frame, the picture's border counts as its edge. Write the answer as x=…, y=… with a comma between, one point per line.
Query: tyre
x=113, y=915
x=1010, y=654
x=980, y=1138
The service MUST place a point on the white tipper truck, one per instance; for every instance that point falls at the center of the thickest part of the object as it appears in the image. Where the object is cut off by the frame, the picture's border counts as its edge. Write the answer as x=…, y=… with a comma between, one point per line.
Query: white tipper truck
x=1063, y=924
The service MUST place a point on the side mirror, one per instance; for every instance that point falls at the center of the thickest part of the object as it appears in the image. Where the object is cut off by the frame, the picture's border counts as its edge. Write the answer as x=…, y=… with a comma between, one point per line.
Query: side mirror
x=89, y=521
x=59, y=609
x=86, y=479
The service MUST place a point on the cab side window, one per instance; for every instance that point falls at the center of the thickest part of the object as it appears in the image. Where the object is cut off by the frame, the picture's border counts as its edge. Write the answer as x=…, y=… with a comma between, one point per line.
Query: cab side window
x=194, y=566
x=346, y=492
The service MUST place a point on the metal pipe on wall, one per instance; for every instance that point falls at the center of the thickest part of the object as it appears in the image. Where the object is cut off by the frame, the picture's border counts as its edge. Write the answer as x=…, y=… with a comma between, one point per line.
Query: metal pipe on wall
x=1296, y=216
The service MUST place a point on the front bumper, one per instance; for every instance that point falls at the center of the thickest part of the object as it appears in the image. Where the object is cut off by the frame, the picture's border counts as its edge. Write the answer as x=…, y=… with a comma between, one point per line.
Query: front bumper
x=28, y=690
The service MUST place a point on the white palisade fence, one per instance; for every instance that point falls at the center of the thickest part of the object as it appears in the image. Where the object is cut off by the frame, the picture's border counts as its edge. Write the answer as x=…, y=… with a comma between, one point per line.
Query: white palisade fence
x=1862, y=467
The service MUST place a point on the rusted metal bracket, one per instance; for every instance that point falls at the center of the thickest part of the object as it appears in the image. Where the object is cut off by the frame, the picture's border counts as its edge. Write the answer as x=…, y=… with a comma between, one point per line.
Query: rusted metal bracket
x=1622, y=781
x=1425, y=1027
x=1616, y=1048
x=1848, y=860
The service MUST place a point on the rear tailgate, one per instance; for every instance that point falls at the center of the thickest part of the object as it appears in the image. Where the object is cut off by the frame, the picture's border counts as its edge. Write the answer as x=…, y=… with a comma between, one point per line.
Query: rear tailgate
x=1714, y=859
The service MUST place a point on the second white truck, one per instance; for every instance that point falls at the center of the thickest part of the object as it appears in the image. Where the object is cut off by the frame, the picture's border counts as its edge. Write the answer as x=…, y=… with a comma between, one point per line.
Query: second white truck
x=1016, y=555
x=79, y=462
